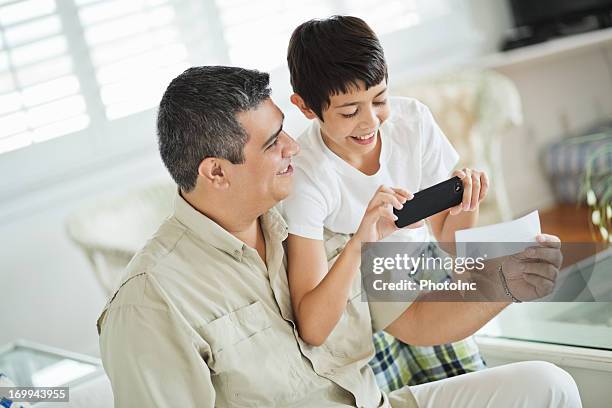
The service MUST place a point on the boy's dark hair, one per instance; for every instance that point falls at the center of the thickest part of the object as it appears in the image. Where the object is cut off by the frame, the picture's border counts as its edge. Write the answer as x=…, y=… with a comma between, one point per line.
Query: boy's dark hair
x=197, y=118
x=327, y=57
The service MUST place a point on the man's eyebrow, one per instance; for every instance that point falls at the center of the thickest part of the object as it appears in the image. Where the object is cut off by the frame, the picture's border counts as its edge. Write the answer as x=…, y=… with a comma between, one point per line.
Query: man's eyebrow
x=275, y=135
x=356, y=103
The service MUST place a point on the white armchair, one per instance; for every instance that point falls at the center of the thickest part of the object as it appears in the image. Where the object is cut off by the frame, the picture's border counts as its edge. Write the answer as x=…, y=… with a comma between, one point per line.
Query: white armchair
x=475, y=110
x=112, y=229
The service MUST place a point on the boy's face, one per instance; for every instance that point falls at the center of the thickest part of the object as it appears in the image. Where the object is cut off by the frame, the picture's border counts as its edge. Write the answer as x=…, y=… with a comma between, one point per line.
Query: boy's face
x=351, y=121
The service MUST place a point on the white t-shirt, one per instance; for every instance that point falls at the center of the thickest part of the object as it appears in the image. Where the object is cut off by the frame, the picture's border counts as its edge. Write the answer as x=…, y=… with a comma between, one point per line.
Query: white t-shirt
x=330, y=193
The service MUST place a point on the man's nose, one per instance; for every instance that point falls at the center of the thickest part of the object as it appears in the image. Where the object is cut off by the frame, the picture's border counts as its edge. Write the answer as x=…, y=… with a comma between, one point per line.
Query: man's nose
x=291, y=147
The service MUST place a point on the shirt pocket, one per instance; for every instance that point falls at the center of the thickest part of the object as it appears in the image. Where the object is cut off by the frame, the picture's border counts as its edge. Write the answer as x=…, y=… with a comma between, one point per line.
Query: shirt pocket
x=236, y=326
x=253, y=363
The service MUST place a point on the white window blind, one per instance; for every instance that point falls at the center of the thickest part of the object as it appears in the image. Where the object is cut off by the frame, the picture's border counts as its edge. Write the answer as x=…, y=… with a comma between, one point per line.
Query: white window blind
x=257, y=32
x=70, y=65
x=135, y=48
x=39, y=92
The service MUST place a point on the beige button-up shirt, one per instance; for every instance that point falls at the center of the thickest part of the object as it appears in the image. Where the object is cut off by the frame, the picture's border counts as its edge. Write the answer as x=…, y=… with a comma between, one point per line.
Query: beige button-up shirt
x=200, y=321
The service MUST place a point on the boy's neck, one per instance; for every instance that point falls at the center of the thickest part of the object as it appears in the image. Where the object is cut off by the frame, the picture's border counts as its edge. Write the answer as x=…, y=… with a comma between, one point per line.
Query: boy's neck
x=367, y=163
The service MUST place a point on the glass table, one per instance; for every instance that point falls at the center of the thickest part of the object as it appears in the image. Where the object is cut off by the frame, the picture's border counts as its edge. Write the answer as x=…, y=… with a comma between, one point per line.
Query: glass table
x=581, y=324
x=29, y=364
x=576, y=336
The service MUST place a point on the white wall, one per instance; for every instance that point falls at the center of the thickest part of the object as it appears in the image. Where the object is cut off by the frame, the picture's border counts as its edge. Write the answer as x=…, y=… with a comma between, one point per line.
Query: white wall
x=49, y=293
x=493, y=18
x=562, y=96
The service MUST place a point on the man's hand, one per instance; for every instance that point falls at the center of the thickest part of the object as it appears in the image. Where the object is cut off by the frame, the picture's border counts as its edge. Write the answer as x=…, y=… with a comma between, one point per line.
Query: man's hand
x=378, y=221
x=532, y=273
x=475, y=188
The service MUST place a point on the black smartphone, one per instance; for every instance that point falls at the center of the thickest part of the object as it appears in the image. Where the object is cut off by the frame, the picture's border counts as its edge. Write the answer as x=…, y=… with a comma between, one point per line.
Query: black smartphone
x=430, y=201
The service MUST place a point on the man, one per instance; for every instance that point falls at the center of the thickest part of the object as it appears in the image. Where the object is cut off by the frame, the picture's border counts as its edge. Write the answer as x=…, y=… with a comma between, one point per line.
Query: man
x=203, y=316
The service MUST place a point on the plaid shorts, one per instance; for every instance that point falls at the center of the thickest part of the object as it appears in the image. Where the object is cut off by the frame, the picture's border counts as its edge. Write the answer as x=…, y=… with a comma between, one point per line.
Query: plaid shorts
x=396, y=364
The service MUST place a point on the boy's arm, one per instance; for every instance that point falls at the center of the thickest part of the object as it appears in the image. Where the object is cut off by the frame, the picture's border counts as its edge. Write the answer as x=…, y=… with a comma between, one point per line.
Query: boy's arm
x=319, y=296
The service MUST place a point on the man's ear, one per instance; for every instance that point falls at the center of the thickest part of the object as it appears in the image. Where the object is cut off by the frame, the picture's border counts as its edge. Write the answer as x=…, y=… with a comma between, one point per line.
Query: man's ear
x=299, y=102
x=212, y=171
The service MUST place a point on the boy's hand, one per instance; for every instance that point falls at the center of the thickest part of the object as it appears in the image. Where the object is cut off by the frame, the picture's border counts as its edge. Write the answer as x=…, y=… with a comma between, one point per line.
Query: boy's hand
x=378, y=221
x=475, y=188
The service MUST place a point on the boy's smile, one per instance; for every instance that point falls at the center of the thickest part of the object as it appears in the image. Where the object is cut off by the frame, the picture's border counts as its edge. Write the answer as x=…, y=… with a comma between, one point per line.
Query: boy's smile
x=365, y=139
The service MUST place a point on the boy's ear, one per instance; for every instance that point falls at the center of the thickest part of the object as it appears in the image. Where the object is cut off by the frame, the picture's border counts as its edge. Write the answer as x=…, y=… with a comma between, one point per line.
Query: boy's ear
x=299, y=102
x=212, y=172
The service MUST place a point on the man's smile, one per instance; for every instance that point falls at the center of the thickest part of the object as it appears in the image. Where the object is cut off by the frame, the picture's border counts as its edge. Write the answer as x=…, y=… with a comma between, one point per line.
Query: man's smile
x=286, y=171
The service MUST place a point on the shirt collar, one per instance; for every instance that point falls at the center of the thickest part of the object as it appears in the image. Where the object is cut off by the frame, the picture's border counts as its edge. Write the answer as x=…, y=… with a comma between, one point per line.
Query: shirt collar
x=274, y=223
x=212, y=233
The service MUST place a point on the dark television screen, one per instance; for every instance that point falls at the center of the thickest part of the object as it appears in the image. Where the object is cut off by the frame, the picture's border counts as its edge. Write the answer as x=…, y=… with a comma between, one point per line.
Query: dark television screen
x=534, y=12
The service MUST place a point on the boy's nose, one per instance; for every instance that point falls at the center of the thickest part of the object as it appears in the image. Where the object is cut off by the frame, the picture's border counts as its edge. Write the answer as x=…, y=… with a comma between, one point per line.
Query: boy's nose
x=370, y=120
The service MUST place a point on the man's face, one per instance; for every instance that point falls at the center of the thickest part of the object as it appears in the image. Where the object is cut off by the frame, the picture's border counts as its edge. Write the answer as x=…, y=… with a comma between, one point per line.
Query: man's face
x=266, y=176
x=351, y=121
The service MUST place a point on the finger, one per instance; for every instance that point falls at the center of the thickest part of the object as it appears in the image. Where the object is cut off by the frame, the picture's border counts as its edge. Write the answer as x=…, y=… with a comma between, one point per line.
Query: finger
x=374, y=198
x=542, y=286
x=484, y=186
x=475, y=190
x=382, y=197
x=552, y=256
x=547, y=240
x=459, y=173
x=373, y=214
x=456, y=210
x=391, y=191
x=467, y=189
x=386, y=189
x=388, y=199
x=385, y=212
x=543, y=270
x=417, y=224
x=403, y=193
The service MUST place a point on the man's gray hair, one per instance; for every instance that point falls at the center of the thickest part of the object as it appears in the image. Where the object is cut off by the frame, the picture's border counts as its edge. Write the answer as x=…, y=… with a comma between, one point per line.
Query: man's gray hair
x=197, y=118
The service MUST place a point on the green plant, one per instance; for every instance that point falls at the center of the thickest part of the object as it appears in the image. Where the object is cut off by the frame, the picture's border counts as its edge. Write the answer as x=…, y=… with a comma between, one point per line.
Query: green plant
x=600, y=202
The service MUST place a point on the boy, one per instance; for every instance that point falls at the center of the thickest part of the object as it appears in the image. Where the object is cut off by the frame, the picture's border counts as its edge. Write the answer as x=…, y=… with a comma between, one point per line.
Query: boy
x=361, y=139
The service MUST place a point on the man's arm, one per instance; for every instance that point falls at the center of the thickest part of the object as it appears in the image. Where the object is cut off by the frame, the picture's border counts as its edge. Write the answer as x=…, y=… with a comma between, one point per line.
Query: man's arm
x=431, y=321
x=444, y=317
x=428, y=323
x=151, y=361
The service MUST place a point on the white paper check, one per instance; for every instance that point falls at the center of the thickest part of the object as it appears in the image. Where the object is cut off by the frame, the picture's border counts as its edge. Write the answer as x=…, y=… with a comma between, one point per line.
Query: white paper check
x=498, y=240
